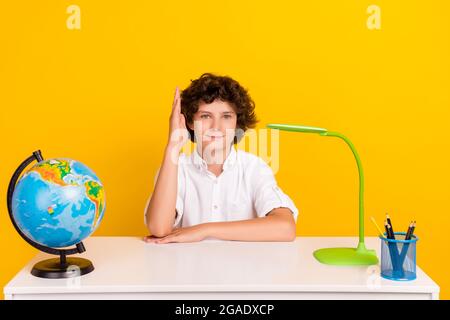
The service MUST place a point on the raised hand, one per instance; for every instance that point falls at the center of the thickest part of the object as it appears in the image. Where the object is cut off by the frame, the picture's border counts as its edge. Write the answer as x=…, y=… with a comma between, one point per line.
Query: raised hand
x=178, y=133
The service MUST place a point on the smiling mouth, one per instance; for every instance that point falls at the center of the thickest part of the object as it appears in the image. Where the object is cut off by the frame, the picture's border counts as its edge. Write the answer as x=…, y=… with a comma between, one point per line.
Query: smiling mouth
x=213, y=138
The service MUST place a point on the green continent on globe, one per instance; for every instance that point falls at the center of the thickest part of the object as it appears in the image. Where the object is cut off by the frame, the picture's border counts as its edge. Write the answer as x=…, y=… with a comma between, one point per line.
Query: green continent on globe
x=53, y=171
x=95, y=194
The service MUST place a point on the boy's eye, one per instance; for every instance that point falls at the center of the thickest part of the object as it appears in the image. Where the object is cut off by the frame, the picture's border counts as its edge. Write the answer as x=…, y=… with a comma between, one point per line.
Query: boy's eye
x=206, y=116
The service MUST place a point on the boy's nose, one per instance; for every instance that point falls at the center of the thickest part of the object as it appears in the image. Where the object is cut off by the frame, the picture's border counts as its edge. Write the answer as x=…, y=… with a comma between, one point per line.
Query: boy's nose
x=215, y=124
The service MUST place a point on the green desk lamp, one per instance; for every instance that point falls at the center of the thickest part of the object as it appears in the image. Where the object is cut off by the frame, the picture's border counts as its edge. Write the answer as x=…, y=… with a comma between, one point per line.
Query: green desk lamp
x=340, y=256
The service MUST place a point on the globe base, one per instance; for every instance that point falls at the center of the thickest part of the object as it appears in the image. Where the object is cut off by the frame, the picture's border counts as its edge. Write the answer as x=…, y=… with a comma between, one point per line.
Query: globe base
x=54, y=269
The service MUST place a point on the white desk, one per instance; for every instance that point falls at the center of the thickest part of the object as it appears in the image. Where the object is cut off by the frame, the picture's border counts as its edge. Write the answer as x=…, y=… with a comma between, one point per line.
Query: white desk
x=128, y=268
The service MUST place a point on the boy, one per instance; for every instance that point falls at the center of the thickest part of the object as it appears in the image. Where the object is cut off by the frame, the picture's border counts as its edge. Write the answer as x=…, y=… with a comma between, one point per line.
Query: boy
x=218, y=191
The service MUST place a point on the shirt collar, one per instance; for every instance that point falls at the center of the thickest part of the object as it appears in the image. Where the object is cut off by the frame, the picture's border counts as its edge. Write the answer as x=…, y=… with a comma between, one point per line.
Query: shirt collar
x=200, y=163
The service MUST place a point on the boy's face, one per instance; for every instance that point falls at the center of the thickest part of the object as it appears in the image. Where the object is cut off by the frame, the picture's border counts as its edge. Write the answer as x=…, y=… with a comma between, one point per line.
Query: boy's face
x=214, y=124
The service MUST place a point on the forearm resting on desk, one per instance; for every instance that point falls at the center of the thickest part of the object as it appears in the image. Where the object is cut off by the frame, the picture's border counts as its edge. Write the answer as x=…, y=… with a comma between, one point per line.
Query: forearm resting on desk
x=279, y=225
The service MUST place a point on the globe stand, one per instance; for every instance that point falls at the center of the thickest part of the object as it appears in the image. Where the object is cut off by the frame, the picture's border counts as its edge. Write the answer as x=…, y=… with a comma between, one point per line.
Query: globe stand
x=62, y=267
x=55, y=268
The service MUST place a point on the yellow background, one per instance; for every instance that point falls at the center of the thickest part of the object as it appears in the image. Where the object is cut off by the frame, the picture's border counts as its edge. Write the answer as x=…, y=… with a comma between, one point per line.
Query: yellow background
x=102, y=95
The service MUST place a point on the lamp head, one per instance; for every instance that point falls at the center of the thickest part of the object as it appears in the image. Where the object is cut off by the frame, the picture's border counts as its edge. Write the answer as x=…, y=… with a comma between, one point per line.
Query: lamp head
x=296, y=128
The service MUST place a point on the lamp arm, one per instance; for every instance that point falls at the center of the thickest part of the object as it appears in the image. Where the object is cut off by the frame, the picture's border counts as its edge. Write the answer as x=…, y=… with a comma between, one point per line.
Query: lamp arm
x=361, y=182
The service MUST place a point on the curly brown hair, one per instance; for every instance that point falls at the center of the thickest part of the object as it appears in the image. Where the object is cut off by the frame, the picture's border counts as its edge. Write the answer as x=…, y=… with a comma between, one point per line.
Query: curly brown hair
x=210, y=87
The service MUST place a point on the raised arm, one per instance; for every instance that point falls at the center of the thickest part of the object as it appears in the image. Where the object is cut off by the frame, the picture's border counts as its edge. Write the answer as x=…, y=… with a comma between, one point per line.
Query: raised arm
x=160, y=214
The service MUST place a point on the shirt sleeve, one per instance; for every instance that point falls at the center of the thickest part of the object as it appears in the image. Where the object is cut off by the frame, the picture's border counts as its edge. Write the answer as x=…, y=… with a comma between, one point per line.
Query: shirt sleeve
x=179, y=206
x=267, y=195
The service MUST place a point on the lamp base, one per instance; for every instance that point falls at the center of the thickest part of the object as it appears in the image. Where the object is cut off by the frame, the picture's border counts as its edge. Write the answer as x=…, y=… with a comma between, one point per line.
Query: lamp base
x=347, y=256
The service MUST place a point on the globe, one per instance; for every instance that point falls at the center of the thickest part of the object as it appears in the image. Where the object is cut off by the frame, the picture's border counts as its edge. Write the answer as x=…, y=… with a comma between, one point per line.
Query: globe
x=58, y=202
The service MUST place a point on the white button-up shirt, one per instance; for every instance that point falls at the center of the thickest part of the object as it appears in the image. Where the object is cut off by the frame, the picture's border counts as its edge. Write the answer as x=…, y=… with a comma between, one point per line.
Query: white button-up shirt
x=245, y=189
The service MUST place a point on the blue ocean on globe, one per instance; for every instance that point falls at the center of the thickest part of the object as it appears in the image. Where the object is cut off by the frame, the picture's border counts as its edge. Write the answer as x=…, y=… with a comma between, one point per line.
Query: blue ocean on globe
x=58, y=202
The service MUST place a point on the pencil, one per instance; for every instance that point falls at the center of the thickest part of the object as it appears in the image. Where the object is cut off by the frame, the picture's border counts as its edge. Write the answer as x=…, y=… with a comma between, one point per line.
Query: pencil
x=376, y=225
x=413, y=228
x=392, y=247
x=390, y=232
x=405, y=247
x=409, y=232
x=388, y=219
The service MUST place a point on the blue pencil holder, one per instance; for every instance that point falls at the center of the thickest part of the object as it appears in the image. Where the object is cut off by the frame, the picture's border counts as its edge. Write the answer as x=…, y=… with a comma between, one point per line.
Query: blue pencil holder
x=398, y=257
